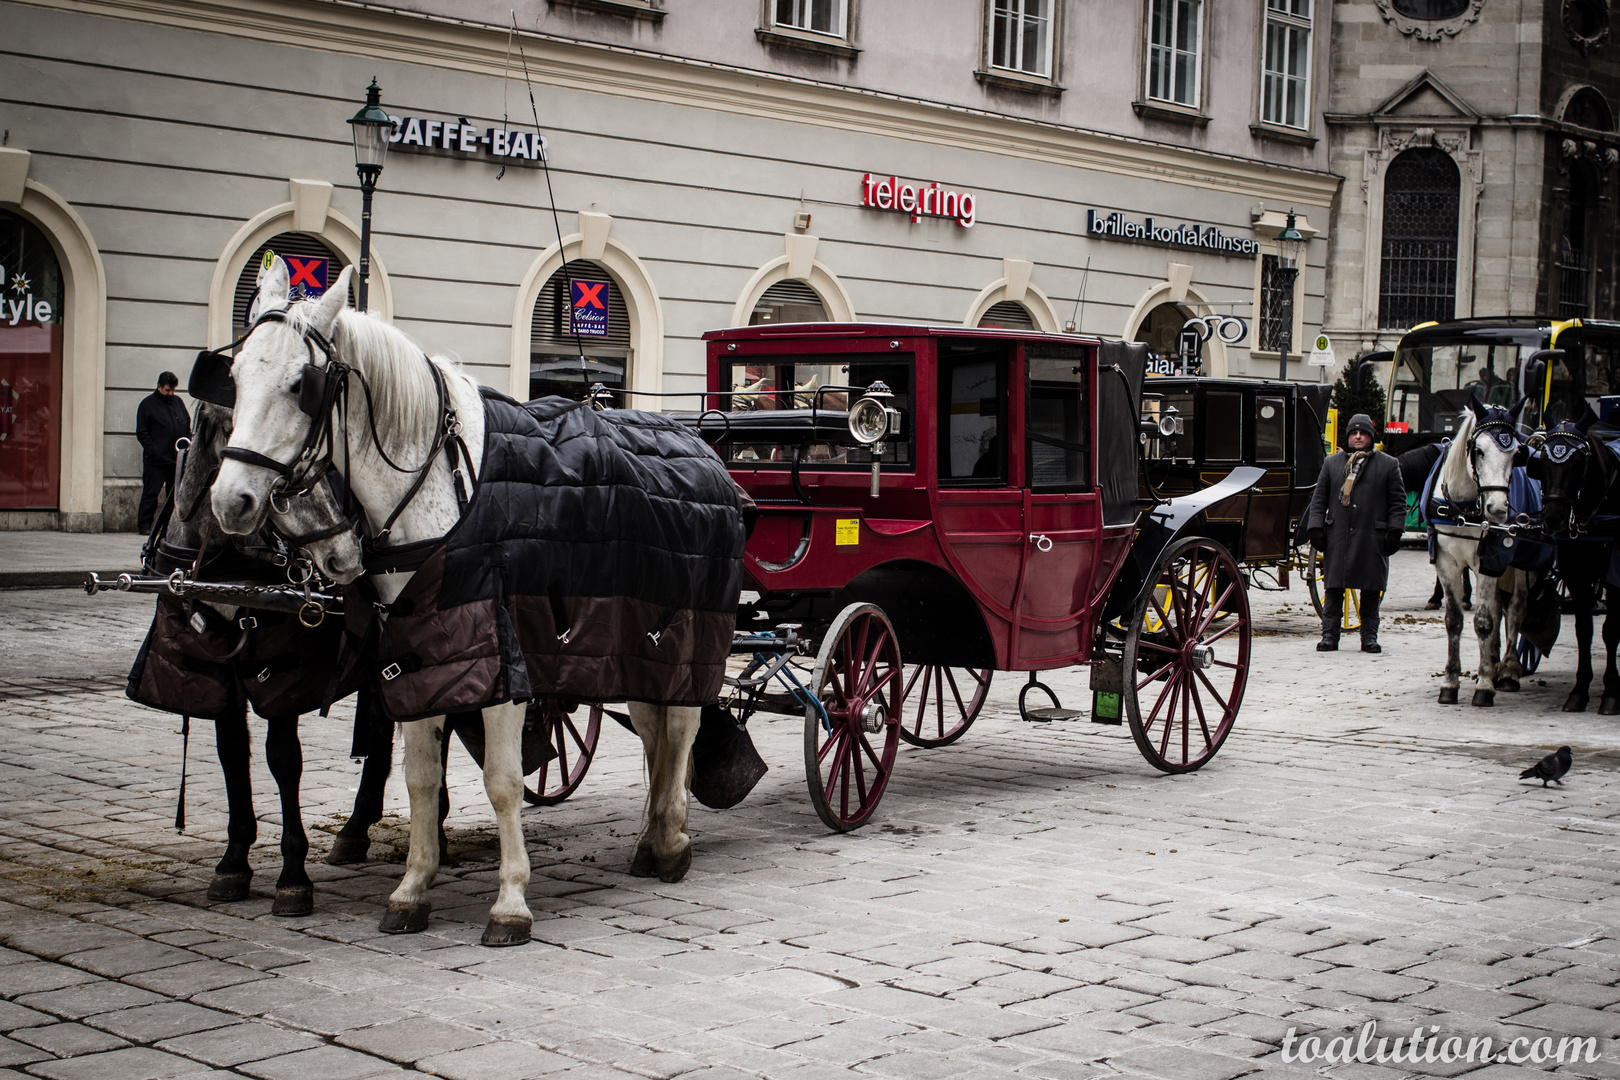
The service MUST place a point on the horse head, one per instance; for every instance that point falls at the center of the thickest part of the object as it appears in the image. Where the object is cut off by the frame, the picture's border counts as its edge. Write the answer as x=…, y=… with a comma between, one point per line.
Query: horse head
x=1494, y=448
x=281, y=440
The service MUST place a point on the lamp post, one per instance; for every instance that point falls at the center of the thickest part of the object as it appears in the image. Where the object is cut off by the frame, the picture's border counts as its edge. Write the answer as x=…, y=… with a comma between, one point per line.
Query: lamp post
x=1290, y=249
x=372, y=129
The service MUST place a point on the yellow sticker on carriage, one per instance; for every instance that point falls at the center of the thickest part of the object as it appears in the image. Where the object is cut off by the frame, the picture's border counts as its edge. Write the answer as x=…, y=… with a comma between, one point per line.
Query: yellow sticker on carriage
x=846, y=531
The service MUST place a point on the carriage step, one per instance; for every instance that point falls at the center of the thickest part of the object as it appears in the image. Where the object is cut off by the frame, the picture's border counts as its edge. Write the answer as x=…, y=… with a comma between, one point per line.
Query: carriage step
x=1046, y=716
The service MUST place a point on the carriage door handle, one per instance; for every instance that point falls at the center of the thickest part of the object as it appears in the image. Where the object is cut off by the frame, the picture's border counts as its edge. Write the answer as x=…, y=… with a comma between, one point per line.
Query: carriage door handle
x=1042, y=542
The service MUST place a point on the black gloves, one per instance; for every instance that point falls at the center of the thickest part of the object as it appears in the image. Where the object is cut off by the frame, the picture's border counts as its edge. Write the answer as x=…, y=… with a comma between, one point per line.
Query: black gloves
x=1392, y=541
x=1318, y=538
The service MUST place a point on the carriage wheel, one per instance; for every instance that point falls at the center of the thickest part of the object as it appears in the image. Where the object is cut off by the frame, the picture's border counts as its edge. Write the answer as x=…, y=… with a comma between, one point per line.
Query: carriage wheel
x=575, y=744
x=1318, y=589
x=1187, y=656
x=941, y=702
x=849, y=752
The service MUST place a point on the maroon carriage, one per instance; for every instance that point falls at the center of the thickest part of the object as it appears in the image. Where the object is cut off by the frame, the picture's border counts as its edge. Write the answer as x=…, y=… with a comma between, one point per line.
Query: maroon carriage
x=936, y=504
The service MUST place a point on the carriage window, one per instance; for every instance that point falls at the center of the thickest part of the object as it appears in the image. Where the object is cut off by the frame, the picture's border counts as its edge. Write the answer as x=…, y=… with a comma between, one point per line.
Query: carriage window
x=1223, y=427
x=1058, y=419
x=1270, y=429
x=805, y=382
x=971, y=450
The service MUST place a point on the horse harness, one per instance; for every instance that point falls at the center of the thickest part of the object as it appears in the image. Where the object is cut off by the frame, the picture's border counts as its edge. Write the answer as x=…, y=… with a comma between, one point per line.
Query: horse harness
x=1562, y=445
x=323, y=395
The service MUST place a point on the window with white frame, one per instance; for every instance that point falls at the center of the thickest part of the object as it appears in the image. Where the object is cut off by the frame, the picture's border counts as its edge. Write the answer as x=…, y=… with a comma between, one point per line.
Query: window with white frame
x=1285, y=84
x=1021, y=36
x=1175, y=51
x=819, y=16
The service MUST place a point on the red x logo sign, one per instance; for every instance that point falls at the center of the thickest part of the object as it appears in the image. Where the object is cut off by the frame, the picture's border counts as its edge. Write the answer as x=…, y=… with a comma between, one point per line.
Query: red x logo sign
x=590, y=294
x=303, y=271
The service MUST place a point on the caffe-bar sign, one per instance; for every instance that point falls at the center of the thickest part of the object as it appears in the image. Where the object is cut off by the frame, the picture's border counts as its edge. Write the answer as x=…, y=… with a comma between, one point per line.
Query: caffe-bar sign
x=919, y=200
x=458, y=138
x=1116, y=226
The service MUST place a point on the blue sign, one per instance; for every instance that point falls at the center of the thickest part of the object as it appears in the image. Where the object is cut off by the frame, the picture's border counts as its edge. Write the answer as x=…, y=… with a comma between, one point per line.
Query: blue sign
x=588, y=308
x=306, y=278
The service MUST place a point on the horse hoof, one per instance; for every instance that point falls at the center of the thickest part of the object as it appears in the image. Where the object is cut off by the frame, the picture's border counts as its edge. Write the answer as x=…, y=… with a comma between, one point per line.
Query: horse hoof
x=502, y=932
x=348, y=850
x=1609, y=706
x=1576, y=702
x=230, y=886
x=676, y=868
x=405, y=918
x=1448, y=695
x=294, y=900
x=1509, y=685
x=1484, y=698
x=643, y=864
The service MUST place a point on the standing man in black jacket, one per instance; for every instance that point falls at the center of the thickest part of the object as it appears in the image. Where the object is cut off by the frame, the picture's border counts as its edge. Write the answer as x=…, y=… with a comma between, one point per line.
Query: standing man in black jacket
x=1355, y=519
x=160, y=421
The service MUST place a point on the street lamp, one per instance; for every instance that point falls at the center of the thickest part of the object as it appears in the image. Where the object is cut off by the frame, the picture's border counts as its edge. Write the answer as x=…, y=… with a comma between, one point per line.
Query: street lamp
x=1290, y=249
x=372, y=129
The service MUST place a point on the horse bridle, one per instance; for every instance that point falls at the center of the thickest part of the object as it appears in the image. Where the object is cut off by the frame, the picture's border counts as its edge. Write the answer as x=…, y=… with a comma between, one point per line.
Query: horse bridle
x=1503, y=432
x=323, y=396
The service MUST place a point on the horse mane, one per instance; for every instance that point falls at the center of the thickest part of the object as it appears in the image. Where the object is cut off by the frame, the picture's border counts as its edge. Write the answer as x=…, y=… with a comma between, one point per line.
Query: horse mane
x=404, y=397
x=1454, y=473
x=1600, y=486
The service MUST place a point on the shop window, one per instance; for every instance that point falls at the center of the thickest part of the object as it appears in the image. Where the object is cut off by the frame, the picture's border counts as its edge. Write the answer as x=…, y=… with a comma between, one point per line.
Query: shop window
x=789, y=302
x=1270, y=428
x=31, y=297
x=1020, y=36
x=1285, y=90
x=1175, y=51
x=1418, y=275
x=1057, y=445
x=818, y=16
x=1223, y=428
x=580, y=333
x=1008, y=315
x=1158, y=331
x=311, y=268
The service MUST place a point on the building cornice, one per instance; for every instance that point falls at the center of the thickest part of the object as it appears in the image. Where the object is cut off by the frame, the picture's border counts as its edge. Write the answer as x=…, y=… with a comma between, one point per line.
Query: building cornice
x=351, y=28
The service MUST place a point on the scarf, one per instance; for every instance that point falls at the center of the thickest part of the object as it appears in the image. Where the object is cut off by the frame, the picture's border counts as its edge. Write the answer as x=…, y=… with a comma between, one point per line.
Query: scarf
x=1352, y=470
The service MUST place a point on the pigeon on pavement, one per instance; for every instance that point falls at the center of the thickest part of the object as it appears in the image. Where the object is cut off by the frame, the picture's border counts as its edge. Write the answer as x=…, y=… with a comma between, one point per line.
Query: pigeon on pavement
x=1551, y=767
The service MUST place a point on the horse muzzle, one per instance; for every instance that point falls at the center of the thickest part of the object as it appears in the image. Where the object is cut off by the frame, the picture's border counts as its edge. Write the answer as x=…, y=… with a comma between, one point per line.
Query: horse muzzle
x=239, y=503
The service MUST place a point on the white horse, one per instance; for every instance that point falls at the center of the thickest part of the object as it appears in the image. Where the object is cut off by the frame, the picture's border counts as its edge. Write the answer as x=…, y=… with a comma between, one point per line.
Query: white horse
x=1474, y=479
x=273, y=448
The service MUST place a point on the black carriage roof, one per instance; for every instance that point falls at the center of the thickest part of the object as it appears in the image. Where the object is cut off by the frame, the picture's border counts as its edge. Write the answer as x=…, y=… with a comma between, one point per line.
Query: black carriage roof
x=800, y=331
x=1485, y=330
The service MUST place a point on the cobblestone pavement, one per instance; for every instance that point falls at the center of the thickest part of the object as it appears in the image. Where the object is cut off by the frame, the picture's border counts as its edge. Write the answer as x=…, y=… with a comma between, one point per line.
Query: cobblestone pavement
x=1031, y=902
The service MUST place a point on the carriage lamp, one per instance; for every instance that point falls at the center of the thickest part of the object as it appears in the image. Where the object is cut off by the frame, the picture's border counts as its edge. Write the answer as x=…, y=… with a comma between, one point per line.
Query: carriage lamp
x=371, y=128
x=871, y=420
x=1290, y=249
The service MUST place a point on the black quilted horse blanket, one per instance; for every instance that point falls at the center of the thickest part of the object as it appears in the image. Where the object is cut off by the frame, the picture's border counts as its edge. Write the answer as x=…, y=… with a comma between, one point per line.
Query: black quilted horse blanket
x=599, y=559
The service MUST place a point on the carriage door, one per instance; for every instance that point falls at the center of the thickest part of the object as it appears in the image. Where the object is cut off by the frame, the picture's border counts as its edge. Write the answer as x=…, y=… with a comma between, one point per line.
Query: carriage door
x=1062, y=508
x=979, y=517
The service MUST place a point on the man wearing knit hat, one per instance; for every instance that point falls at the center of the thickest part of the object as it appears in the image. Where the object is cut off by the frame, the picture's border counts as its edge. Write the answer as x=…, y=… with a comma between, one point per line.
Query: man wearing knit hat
x=1355, y=519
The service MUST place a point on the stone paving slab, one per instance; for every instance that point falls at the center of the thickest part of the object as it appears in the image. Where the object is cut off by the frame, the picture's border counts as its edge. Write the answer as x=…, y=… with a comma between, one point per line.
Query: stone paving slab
x=1031, y=902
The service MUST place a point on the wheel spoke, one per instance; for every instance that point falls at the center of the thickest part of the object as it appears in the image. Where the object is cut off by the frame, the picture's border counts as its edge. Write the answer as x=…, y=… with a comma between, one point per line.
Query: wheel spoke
x=1223, y=631
x=1225, y=708
x=1155, y=675
x=1169, y=720
x=1215, y=609
x=1203, y=722
x=827, y=748
x=1169, y=685
x=1155, y=646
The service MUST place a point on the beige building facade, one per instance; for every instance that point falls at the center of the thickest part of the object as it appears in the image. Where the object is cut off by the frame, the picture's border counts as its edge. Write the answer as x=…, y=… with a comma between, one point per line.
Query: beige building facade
x=1112, y=169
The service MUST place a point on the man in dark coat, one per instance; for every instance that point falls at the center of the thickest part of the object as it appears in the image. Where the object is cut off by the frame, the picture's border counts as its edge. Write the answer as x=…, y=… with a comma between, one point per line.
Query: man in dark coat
x=1355, y=519
x=160, y=421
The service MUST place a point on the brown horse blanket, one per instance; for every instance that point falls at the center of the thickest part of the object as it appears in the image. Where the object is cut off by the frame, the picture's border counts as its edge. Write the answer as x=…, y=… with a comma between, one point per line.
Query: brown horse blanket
x=599, y=559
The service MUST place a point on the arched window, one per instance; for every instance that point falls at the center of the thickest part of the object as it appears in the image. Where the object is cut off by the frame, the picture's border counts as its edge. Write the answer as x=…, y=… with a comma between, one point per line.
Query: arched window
x=1161, y=326
x=789, y=302
x=1575, y=243
x=1418, y=276
x=30, y=367
x=580, y=334
x=1587, y=109
x=1008, y=315
x=312, y=267
x=1431, y=9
